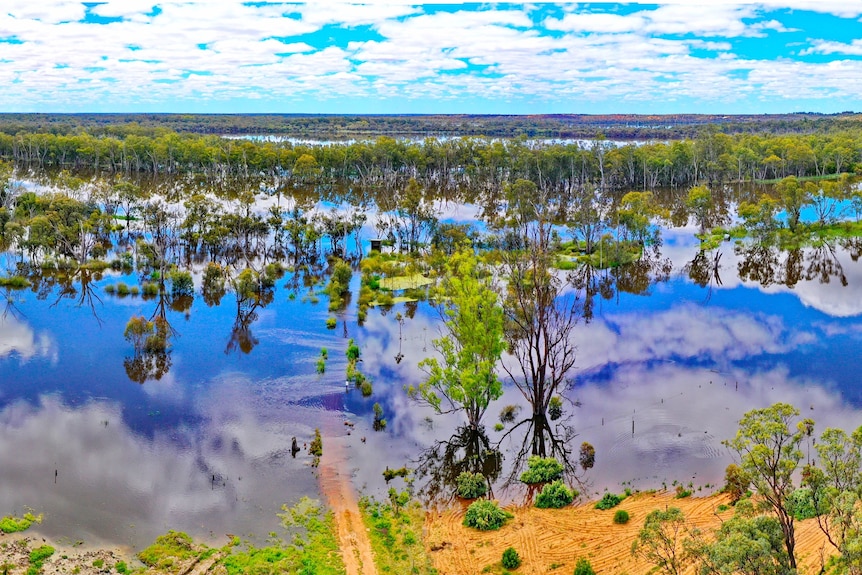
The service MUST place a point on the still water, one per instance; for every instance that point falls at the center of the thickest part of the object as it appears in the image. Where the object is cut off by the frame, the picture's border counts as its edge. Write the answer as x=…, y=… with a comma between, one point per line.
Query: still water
x=665, y=370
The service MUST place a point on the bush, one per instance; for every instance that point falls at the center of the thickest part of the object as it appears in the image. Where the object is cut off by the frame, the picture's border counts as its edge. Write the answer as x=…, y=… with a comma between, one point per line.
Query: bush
x=583, y=567
x=471, y=485
x=554, y=496
x=181, y=283
x=331, y=322
x=542, y=470
x=609, y=500
x=508, y=413
x=511, y=559
x=801, y=504
x=621, y=517
x=736, y=482
x=150, y=289
x=321, y=365
x=485, y=515
x=122, y=289
x=366, y=388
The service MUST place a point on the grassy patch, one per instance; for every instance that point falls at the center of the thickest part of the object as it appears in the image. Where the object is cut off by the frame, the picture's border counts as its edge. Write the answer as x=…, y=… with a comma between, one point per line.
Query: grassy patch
x=170, y=549
x=412, y=281
x=396, y=537
x=16, y=524
x=14, y=282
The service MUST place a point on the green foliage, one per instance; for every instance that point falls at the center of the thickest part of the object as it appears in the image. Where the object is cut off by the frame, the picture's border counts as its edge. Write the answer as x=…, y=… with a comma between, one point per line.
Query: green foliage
x=352, y=350
x=397, y=537
x=12, y=524
x=390, y=474
x=14, y=282
x=485, y=515
x=466, y=377
x=736, y=482
x=471, y=485
x=181, y=283
x=379, y=422
x=583, y=567
x=321, y=365
x=660, y=541
x=366, y=388
x=316, y=447
x=609, y=501
x=587, y=456
x=98, y=563
x=38, y=556
x=749, y=542
x=801, y=504
x=621, y=517
x=313, y=549
x=121, y=567
x=331, y=322
x=555, y=495
x=767, y=444
x=542, y=470
x=168, y=549
x=511, y=559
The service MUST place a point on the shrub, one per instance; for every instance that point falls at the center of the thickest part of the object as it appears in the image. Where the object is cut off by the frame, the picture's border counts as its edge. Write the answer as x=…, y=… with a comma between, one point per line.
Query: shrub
x=554, y=496
x=609, y=500
x=736, y=482
x=366, y=388
x=316, y=448
x=181, y=283
x=321, y=365
x=390, y=474
x=14, y=524
x=499, y=427
x=121, y=567
x=801, y=504
x=111, y=289
x=331, y=322
x=150, y=289
x=471, y=485
x=38, y=557
x=542, y=470
x=583, y=567
x=122, y=288
x=485, y=515
x=352, y=351
x=511, y=559
x=621, y=517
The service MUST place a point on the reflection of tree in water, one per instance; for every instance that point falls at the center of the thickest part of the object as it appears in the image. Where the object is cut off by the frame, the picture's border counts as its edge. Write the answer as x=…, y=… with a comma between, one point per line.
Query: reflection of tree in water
x=151, y=341
x=767, y=264
x=634, y=278
x=467, y=450
x=84, y=292
x=251, y=295
x=537, y=435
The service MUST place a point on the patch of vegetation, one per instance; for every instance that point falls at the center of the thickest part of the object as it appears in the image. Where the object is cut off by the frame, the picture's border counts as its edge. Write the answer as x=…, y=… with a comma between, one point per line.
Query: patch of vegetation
x=396, y=535
x=621, y=517
x=321, y=365
x=555, y=408
x=583, y=567
x=390, y=474
x=121, y=567
x=801, y=504
x=542, y=470
x=682, y=492
x=609, y=500
x=412, y=281
x=555, y=495
x=471, y=485
x=511, y=559
x=316, y=448
x=379, y=421
x=312, y=551
x=13, y=524
x=169, y=549
x=486, y=515
x=509, y=413
x=14, y=282
x=331, y=322
x=38, y=557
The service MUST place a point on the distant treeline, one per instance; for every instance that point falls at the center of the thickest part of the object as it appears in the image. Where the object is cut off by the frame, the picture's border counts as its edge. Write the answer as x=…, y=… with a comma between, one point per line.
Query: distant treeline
x=613, y=126
x=467, y=163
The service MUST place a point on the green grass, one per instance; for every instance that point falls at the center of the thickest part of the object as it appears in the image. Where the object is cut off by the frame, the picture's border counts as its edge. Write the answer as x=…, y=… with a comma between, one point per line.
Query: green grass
x=12, y=524
x=171, y=548
x=405, y=282
x=805, y=178
x=396, y=537
x=14, y=282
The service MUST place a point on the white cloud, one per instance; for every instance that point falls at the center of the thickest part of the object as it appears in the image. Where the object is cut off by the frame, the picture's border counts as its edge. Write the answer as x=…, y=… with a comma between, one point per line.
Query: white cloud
x=17, y=339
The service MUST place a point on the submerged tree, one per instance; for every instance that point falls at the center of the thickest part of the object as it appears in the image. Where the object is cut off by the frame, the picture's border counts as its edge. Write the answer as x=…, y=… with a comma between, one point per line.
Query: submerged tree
x=466, y=379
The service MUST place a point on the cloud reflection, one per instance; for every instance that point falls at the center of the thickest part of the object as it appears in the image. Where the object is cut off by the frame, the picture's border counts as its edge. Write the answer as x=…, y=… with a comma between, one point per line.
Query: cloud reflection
x=17, y=338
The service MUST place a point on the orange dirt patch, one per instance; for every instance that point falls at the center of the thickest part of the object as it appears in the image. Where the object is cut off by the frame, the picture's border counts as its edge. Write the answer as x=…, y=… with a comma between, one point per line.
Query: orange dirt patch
x=552, y=540
x=336, y=485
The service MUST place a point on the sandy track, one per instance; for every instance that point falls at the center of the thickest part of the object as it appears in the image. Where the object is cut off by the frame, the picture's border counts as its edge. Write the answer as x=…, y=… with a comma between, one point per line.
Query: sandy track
x=336, y=485
x=551, y=541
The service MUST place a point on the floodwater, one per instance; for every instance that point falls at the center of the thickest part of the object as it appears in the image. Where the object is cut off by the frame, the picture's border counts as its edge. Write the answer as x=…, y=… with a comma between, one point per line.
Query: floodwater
x=667, y=364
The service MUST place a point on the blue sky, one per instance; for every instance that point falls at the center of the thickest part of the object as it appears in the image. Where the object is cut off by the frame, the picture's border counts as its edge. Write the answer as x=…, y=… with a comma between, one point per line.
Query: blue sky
x=402, y=57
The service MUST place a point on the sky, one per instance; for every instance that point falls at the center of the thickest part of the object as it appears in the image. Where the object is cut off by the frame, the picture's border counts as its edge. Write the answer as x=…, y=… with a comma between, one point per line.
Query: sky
x=403, y=57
